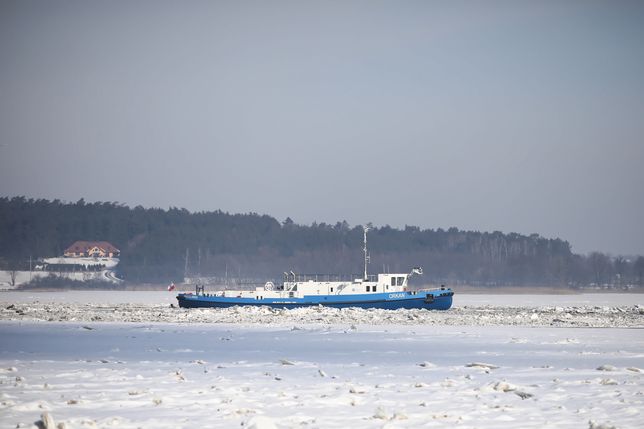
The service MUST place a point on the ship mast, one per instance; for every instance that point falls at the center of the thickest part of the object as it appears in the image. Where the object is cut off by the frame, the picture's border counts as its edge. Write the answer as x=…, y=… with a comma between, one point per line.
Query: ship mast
x=365, y=228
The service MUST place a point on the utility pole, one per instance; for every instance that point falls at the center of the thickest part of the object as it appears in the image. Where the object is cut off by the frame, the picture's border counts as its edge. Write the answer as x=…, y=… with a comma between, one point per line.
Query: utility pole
x=199, y=262
x=185, y=268
x=365, y=228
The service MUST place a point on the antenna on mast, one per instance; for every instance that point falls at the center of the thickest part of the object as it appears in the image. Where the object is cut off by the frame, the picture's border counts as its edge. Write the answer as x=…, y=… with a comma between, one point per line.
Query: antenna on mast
x=367, y=258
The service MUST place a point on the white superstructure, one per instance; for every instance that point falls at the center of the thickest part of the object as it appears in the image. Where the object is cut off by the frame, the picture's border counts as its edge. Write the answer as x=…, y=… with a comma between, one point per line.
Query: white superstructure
x=300, y=285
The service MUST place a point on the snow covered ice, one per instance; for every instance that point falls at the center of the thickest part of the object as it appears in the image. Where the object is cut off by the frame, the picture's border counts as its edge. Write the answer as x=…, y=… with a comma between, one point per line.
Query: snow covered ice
x=321, y=368
x=520, y=310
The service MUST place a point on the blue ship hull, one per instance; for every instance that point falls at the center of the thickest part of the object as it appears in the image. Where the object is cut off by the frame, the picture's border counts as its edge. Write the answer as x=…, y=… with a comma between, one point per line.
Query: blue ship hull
x=440, y=299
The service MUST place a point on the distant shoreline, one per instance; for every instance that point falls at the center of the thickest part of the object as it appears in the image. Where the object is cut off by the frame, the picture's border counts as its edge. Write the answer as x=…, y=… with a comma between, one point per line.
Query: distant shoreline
x=463, y=289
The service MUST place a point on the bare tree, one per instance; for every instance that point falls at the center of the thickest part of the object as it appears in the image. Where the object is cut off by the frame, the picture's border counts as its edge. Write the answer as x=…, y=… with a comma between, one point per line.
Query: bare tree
x=12, y=275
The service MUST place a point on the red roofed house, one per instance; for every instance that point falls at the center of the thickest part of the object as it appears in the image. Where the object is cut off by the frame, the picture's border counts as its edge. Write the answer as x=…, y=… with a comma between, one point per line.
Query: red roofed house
x=94, y=249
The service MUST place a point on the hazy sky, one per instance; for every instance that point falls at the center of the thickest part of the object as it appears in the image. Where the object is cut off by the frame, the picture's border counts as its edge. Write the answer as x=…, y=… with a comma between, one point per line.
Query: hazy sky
x=518, y=116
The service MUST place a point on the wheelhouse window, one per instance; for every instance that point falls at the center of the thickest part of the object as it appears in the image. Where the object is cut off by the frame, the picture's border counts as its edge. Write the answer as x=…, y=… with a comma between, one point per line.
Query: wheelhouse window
x=331, y=288
x=400, y=281
x=393, y=281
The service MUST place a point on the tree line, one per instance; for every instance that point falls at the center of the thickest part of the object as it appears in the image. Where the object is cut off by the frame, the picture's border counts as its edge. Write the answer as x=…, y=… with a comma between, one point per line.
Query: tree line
x=159, y=245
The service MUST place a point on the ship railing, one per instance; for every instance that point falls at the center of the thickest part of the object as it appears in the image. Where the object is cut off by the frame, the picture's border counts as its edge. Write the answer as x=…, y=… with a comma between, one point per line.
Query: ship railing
x=430, y=288
x=292, y=277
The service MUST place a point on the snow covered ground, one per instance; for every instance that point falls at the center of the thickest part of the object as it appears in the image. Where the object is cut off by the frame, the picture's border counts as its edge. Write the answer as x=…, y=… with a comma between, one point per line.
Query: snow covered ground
x=475, y=366
x=22, y=277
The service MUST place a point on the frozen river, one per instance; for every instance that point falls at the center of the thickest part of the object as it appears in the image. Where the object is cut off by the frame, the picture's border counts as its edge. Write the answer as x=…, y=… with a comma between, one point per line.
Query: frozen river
x=167, y=376
x=128, y=360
